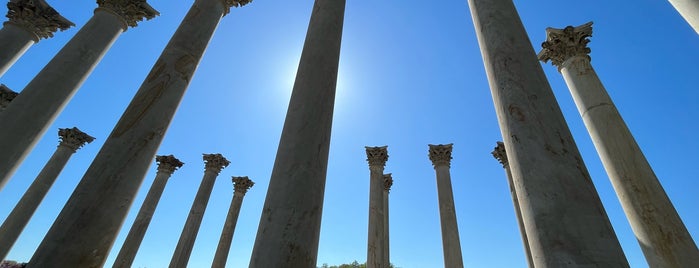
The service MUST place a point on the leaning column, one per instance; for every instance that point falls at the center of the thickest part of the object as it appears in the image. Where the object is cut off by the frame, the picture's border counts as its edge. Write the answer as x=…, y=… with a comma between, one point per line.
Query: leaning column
x=557, y=197
x=167, y=164
x=33, y=111
x=387, y=183
x=29, y=21
x=440, y=155
x=6, y=96
x=71, y=140
x=90, y=220
x=376, y=246
x=290, y=224
x=689, y=9
x=501, y=155
x=658, y=228
x=241, y=186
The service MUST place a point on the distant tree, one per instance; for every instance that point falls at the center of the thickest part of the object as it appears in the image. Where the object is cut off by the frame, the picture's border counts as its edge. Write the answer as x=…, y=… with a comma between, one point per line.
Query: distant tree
x=354, y=264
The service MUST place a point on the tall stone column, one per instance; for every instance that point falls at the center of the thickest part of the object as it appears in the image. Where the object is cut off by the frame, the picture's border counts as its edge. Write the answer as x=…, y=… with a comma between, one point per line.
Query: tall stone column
x=214, y=164
x=440, y=155
x=290, y=224
x=387, y=183
x=501, y=155
x=29, y=21
x=659, y=229
x=91, y=219
x=6, y=96
x=241, y=186
x=689, y=9
x=33, y=111
x=71, y=140
x=167, y=164
x=376, y=246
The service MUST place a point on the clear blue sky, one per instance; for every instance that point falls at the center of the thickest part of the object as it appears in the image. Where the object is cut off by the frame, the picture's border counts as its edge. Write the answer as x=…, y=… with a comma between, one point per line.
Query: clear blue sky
x=411, y=73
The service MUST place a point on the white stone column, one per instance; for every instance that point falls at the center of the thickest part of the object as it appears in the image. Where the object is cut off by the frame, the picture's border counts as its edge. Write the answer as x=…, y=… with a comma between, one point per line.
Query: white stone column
x=387, y=183
x=440, y=155
x=241, y=186
x=6, y=96
x=167, y=164
x=689, y=9
x=501, y=155
x=214, y=164
x=33, y=111
x=71, y=140
x=658, y=228
x=29, y=21
x=121, y=164
x=565, y=221
x=290, y=223
x=376, y=246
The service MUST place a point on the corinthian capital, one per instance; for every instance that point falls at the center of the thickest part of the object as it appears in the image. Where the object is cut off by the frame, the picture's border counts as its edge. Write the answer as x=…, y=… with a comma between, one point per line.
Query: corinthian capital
x=234, y=3
x=562, y=44
x=131, y=11
x=37, y=17
x=215, y=162
x=440, y=154
x=168, y=163
x=242, y=184
x=387, y=182
x=6, y=96
x=73, y=138
x=500, y=154
x=376, y=156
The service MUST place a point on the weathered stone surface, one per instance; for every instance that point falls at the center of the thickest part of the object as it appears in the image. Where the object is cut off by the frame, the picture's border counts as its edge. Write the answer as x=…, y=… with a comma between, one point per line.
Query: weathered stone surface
x=376, y=242
x=6, y=96
x=440, y=155
x=241, y=186
x=689, y=9
x=37, y=17
x=387, y=183
x=130, y=11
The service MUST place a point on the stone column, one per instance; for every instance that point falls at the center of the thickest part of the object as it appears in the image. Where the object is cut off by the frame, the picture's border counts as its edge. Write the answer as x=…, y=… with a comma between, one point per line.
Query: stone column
x=241, y=185
x=29, y=21
x=563, y=215
x=501, y=155
x=440, y=155
x=689, y=9
x=214, y=164
x=33, y=111
x=119, y=167
x=659, y=229
x=71, y=140
x=6, y=96
x=290, y=223
x=376, y=246
x=167, y=164
x=387, y=183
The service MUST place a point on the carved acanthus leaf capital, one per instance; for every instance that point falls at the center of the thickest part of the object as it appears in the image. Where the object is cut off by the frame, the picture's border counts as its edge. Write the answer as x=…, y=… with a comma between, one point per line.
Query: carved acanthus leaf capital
x=377, y=156
x=6, y=96
x=242, y=184
x=440, y=154
x=234, y=3
x=131, y=11
x=387, y=182
x=562, y=44
x=500, y=154
x=215, y=162
x=168, y=163
x=73, y=138
x=37, y=17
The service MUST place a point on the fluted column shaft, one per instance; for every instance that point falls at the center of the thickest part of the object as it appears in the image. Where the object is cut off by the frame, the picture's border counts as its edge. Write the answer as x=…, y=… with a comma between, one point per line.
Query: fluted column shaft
x=33, y=111
x=440, y=155
x=563, y=215
x=92, y=217
x=290, y=224
x=689, y=9
x=242, y=184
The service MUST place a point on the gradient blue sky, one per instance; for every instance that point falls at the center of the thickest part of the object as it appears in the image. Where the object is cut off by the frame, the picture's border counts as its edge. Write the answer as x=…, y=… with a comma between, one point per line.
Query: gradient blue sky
x=411, y=73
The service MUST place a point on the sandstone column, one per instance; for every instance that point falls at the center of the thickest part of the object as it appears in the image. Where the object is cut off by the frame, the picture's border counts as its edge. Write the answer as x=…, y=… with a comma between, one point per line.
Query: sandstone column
x=501, y=155
x=241, y=185
x=29, y=21
x=564, y=218
x=167, y=164
x=91, y=219
x=71, y=140
x=440, y=155
x=689, y=9
x=6, y=96
x=387, y=183
x=660, y=232
x=290, y=224
x=376, y=246
x=33, y=111
x=214, y=164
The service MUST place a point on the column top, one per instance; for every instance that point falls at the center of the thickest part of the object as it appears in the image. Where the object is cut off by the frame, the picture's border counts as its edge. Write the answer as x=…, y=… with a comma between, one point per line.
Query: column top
x=37, y=17
x=562, y=44
x=387, y=182
x=73, y=138
x=130, y=11
x=234, y=3
x=500, y=154
x=440, y=154
x=377, y=156
x=6, y=96
x=242, y=184
x=215, y=162
x=168, y=163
